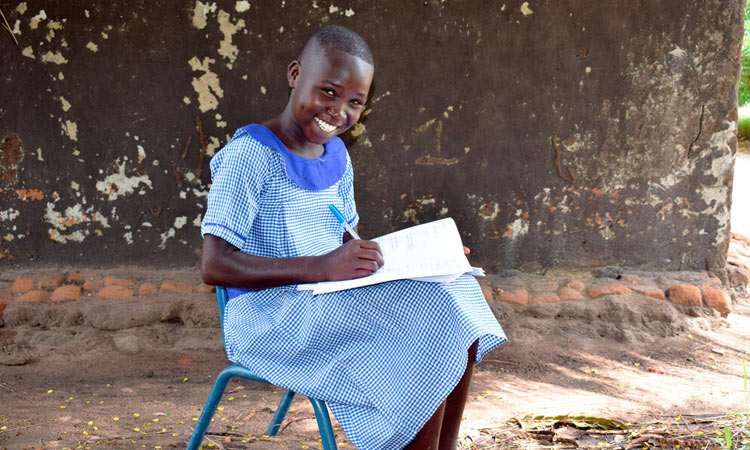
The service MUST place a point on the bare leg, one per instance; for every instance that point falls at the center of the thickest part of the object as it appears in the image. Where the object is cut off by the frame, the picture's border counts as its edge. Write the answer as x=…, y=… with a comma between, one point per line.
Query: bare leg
x=429, y=435
x=454, y=404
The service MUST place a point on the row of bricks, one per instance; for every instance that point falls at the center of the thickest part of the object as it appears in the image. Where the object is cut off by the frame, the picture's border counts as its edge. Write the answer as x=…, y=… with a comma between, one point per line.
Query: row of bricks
x=709, y=294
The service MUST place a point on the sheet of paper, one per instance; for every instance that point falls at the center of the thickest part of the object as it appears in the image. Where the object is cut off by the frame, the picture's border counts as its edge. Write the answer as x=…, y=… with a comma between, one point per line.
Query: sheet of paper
x=431, y=250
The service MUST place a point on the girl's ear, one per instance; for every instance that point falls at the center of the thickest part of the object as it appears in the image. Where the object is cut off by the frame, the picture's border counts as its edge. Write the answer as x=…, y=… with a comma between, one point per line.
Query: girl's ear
x=292, y=73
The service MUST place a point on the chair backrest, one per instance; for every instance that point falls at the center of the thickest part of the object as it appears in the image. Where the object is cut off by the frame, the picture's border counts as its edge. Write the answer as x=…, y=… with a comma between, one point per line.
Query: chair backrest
x=221, y=298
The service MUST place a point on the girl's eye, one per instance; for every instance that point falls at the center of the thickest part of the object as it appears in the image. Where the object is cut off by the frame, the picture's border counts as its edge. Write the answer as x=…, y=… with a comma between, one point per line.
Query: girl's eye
x=357, y=103
x=328, y=91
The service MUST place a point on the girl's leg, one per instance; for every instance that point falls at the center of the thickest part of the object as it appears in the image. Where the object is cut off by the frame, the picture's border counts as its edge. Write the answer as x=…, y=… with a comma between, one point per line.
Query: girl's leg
x=454, y=405
x=429, y=435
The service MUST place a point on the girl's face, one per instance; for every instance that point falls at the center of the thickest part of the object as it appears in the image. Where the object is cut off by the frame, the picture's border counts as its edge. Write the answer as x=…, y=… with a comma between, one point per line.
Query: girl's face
x=329, y=90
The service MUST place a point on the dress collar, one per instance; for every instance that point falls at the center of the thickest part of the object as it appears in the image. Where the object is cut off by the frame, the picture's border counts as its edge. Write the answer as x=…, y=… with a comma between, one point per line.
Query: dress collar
x=309, y=174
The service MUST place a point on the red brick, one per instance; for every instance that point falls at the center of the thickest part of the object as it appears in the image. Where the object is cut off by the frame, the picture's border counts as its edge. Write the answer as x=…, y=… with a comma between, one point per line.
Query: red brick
x=651, y=291
x=717, y=299
x=148, y=289
x=176, y=286
x=519, y=296
x=93, y=284
x=50, y=281
x=35, y=296
x=486, y=290
x=607, y=288
x=631, y=280
x=538, y=298
x=685, y=294
x=712, y=282
x=73, y=277
x=115, y=291
x=68, y=292
x=569, y=294
x=22, y=284
x=3, y=305
x=113, y=281
x=515, y=282
x=575, y=284
x=209, y=289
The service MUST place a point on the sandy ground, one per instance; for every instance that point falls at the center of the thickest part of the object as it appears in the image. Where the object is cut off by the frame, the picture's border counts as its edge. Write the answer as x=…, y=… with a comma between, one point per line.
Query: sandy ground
x=628, y=357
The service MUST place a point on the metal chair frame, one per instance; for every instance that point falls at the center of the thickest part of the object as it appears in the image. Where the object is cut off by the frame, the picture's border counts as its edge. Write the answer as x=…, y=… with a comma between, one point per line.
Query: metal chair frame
x=235, y=370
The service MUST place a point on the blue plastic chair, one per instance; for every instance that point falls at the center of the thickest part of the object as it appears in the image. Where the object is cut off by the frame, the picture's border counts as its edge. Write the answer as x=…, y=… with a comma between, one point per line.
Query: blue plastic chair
x=321, y=411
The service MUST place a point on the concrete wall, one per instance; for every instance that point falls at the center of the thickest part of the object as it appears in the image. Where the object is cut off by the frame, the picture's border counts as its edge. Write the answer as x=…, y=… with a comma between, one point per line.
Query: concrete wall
x=556, y=133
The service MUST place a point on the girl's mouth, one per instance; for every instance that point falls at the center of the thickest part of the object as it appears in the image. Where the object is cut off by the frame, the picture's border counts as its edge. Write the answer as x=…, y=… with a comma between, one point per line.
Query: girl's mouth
x=325, y=126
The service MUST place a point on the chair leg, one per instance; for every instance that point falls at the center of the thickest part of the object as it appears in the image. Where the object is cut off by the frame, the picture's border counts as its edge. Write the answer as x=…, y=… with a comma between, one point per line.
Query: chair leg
x=324, y=424
x=208, y=410
x=278, y=417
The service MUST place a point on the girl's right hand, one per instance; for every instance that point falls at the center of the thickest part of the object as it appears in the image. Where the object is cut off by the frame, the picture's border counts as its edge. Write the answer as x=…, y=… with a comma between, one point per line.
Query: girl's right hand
x=355, y=259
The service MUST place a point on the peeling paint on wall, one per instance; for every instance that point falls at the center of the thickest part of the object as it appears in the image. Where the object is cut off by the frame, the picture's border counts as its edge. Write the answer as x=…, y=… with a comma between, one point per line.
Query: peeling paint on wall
x=226, y=48
x=200, y=13
x=207, y=85
x=118, y=184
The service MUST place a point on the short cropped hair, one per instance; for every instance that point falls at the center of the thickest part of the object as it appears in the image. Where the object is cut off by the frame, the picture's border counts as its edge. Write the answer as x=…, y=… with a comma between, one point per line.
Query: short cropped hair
x=336, y=37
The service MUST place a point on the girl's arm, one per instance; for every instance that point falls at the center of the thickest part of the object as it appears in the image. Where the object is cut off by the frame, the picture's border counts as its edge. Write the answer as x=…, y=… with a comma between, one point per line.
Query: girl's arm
x=223, y=264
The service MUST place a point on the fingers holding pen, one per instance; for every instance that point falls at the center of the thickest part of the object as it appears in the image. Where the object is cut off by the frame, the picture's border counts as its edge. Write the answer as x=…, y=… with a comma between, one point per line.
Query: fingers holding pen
x=354, y=259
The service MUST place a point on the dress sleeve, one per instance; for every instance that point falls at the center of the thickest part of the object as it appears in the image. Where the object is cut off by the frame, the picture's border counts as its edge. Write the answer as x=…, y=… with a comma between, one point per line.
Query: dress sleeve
x=237, y=175
x=347, y=194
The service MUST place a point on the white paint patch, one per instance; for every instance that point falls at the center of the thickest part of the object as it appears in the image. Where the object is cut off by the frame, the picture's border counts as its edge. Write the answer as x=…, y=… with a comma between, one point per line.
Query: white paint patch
x=242, y=6
x=17, y=27
x=226, y=48
x=75, y=186
x=28, y=52
x=141, y=154
x=518, y=228
x=56, y=58
x=263, y=90
x=333, y=9
x=21, y=8
x=128, y=237
x=165, y=237
x=93, y=47
x=525, y=10
x=200, y=13
x=207, y=86
x=9, y=215
x=71, y=130
x=349, y=12
x=34, y=23
x=678, y=52
x=65, y=104
x=186, y=100
x=105, y=35
x=180, y=222
x=39, y=154
x=118, y=184
x=86, y=12
x=197, y=221
x=212, y=146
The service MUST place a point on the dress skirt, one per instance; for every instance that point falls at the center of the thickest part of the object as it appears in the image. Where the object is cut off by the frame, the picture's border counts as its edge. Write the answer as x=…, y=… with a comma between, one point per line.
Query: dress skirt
x=383, y=357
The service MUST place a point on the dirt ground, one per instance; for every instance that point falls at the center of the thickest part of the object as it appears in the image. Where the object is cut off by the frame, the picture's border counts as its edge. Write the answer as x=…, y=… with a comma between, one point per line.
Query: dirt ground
x=67, y=384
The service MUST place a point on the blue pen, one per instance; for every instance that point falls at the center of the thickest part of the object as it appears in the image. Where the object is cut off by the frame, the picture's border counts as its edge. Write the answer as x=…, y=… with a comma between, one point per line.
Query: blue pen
x=346, y=226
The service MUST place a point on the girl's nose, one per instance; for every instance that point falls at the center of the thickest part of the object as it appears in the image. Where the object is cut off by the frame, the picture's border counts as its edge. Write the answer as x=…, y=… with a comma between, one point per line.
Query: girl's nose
x=334, y=111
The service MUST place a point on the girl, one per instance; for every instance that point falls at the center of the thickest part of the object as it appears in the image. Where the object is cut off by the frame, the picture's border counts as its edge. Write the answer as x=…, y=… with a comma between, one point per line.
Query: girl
x=394, y=360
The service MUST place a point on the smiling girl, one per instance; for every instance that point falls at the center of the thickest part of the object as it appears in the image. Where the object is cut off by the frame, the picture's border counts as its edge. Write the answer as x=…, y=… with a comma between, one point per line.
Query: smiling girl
x=394, y=361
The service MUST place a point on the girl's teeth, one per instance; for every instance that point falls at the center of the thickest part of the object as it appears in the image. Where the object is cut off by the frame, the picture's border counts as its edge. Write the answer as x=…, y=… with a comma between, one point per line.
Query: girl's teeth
x=324, y=125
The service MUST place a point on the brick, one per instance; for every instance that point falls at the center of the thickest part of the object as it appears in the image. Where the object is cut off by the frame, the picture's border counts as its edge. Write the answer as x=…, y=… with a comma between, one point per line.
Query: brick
x=717, y=299
x=651, y=291
x=66, y=293
x=209, y=289
x=148, y=289
x=50, y=281
x=515, y=282
x=115, y=291
x=486, y=290
x=575, y=284
x=712, y=282
x=73, y=277
x=35, y=296
x=631, y=280
x=3, y=305
x=518, y=296
x=540, y=298
x=114, y=281
x=93, y=284
x=739, y=277
x=22, y=284
x=176, y=286
x=685, y=294
x=567, y=294
x=607, y=288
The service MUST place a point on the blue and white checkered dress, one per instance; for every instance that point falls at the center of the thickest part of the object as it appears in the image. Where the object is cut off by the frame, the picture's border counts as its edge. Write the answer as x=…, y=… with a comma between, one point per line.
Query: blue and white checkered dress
x=384, y=356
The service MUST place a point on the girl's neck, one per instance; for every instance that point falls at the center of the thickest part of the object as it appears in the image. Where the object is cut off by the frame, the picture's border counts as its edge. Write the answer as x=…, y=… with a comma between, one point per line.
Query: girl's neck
x=286, y=129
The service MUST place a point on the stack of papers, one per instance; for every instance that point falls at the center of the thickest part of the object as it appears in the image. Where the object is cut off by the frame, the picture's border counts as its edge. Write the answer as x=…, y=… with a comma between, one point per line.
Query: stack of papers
x=429, y=252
